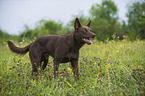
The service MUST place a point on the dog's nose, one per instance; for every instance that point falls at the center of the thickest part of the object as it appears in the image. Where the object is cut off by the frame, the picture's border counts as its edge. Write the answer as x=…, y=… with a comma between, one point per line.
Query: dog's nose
x=94, y=35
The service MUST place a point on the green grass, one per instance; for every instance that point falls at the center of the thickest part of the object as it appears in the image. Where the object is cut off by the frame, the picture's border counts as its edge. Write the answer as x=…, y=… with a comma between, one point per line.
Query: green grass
x=111, y=68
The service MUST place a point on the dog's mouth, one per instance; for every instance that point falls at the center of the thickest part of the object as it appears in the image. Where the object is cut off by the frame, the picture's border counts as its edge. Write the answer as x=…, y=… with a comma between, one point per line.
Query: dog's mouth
x=86, y=40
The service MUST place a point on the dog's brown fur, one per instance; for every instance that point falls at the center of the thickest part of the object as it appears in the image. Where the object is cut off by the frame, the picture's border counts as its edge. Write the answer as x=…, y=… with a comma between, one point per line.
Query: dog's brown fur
x=63, y=48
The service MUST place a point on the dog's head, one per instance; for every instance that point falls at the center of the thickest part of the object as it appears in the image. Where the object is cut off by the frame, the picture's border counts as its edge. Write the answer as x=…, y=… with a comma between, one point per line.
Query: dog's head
x=83, y=33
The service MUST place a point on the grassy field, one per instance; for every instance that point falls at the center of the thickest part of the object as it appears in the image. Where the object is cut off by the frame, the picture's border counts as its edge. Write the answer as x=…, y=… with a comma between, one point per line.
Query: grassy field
x=111, y=68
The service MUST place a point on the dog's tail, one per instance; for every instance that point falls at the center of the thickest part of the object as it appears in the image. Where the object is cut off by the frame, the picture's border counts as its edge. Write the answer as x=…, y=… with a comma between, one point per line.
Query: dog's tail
x=18, y=50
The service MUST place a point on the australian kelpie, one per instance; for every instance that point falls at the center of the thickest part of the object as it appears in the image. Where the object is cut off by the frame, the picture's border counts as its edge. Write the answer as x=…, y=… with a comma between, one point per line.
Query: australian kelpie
x=63, y=48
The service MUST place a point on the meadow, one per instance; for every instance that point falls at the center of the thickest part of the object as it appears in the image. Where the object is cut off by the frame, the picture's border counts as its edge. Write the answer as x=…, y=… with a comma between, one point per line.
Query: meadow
x=113, y=68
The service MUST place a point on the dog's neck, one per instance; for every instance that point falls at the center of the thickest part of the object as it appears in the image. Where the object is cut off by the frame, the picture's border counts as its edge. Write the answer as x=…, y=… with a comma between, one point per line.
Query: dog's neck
x=77, y=44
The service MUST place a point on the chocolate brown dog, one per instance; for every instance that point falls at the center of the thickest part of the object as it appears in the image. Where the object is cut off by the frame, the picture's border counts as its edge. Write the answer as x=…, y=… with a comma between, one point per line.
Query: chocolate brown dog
x=63, y=48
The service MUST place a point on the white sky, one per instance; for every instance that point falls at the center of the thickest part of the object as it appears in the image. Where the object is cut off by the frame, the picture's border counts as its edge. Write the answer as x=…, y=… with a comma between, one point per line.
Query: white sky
x=14, y=14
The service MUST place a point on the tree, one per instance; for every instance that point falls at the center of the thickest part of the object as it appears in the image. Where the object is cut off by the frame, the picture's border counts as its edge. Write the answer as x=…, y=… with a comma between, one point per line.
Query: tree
x=136, y=20
x=49, y=27
x=105, y=19
x=5, y=36
x=43, y=27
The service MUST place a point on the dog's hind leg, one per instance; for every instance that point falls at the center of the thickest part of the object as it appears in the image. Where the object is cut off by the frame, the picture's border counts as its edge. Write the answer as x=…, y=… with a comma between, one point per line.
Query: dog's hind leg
x=35, y=60
x=44, y=61
x=35, y=65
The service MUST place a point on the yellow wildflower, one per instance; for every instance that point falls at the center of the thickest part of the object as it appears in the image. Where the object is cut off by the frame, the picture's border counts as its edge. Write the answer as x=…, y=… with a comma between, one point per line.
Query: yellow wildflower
x=69, y=68
x=98, y=74
x=84, y=92
x=108, y=66
x=68, y=84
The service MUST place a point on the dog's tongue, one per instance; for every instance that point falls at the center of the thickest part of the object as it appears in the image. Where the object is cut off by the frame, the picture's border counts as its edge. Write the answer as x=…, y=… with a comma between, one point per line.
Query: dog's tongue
x=90, y=41
x=87, y=41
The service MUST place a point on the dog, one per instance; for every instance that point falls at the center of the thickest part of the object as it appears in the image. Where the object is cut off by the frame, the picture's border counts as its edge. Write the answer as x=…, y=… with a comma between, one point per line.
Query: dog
x=63, y=48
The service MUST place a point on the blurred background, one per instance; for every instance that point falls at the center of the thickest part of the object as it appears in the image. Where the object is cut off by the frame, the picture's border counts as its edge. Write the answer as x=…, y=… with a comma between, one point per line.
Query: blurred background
x=111, y=19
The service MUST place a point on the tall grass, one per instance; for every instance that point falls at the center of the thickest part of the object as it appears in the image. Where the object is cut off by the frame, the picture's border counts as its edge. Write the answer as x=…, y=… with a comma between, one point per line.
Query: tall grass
x=111, y=68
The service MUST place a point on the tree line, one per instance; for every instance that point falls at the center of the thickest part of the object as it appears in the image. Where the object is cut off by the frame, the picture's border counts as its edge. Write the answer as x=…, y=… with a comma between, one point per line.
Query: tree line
x=106, y=23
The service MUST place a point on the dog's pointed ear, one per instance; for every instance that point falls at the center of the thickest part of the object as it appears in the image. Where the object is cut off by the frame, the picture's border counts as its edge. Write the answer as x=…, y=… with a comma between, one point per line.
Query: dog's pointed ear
x=89, y=23
x=77, y=24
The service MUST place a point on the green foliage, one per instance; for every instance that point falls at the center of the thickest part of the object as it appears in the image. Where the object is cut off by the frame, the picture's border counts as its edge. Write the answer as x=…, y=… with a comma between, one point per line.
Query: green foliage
x=43, y=27
x=105, y=19
x=5, y=36
x=111, y=68
x=50, y=27
x=136, y=20
x=107, y=10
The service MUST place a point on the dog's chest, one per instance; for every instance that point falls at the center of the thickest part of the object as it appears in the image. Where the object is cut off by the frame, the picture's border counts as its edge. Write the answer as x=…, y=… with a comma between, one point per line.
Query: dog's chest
x=68, y=57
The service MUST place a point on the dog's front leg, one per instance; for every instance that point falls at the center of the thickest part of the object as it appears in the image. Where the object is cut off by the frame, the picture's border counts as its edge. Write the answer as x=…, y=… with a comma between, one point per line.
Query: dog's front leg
x=74, y=64
x=56, y=65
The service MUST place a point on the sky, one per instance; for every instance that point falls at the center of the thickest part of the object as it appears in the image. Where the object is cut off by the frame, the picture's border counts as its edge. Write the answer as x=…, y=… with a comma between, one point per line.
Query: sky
x=14, y=14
